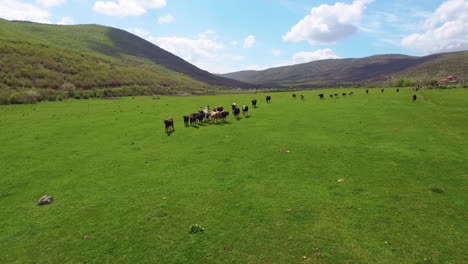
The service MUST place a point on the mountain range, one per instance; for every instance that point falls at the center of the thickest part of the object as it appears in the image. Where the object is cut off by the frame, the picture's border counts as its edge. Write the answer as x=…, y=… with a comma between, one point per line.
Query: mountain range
x=373, y=69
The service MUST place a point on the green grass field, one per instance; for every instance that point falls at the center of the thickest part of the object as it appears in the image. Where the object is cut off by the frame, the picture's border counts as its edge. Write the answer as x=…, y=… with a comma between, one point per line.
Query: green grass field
x=108, y=163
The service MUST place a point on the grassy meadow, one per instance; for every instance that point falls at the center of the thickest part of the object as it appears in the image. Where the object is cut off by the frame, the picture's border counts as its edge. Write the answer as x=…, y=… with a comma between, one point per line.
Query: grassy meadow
x=362, y=179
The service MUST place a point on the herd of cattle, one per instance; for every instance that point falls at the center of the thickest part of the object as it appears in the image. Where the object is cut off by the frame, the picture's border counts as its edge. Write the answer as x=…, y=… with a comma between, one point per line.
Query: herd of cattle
x=218, y=113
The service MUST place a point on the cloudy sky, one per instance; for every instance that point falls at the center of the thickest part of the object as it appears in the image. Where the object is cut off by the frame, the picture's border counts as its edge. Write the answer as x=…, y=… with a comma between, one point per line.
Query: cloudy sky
x=230, y=35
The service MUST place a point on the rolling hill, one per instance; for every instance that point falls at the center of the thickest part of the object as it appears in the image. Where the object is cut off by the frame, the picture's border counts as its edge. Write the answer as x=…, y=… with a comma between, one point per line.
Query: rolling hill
x=336, y=72
x=89, y=57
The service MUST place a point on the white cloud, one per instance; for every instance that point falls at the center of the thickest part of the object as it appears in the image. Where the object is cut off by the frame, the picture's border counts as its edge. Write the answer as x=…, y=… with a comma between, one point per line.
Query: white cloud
x=321, y=54
x=190, y=49
x=48, y=3
x=127, y=7
x=276, y=52
x=165, y=19
x=234, y=43
x=249, y=41
x=18, y=10
x=328, y=24
x=445, y=30
x=66, y=21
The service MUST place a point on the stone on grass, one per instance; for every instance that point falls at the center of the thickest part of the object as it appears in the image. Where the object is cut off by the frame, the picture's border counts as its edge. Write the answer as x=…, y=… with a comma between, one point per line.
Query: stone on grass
x=46, y=199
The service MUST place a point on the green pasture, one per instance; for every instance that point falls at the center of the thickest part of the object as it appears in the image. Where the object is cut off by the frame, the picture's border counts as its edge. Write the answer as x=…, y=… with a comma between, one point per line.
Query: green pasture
x=358, y=179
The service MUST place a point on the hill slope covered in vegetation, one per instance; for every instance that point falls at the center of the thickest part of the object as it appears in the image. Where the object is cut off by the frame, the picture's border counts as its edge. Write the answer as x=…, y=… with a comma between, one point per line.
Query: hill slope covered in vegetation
x=93, y=57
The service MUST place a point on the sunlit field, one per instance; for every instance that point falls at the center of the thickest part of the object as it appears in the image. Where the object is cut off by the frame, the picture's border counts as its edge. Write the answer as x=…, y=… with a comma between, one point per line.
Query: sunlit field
x=367, y=178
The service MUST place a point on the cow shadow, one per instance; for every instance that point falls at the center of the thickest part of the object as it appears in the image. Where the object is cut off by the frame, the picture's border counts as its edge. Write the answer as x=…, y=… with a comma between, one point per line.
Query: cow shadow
x=169, y=133
x=247, y=116
x=222, y=123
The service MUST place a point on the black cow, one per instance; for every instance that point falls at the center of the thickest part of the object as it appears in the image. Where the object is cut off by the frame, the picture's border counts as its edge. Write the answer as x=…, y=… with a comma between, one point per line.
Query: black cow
x=236, y=112
x=194, y=118
x=186, y=120
x=233, y=107
x=245, y=110
x=344, y=94
x=336, y=95
x=224, y=114
x=331, y=95
x=294, y=96
x=302, y=97
x=367, y=91
x=351, y=93
x=254, y=103
x=382, y=90
x=320, y=95
x=268, y=98
x=398, y=90
x=414, y=98
x=169, y=124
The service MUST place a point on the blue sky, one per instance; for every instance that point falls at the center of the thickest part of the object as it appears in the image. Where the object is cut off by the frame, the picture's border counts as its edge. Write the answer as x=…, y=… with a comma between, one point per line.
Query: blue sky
x=230, y=35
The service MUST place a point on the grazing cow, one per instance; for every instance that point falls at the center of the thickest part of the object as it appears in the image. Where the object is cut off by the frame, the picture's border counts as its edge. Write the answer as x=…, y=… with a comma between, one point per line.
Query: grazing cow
x=336, y=95
x=320, y=95
x=331, y=95
x=398, y=90
x=169, y=124
x=351, y=93
x=367, y=91
x=268, y=98
x=414, y=98
x=382, y=90
x=245, y=110
x=302, y=97
x=254, y=103
x=186, y=120
x=344, y=94
x=294, y=96
x=236, y=112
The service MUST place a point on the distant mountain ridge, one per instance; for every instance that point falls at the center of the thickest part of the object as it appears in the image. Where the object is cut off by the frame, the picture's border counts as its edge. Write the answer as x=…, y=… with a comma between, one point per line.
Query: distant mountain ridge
x=377, y=68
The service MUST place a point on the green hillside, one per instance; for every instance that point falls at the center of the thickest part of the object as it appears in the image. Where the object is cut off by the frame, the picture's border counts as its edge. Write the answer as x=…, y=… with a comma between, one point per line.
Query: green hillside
x=336, y=72
x=94, y=57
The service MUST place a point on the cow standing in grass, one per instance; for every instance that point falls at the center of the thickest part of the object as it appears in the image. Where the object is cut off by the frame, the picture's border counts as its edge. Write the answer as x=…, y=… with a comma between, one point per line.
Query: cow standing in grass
x=236, y=111
x=233, y=107
x=169, y=124
x=224, y=114
x=414, y=98
x=382, y=90
x=254, y=103
x=186, y=120
x=398, y=90
x=268, y=98
x=294, y=96
x=367, y=91
x=245, y=110
x=302, y=97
